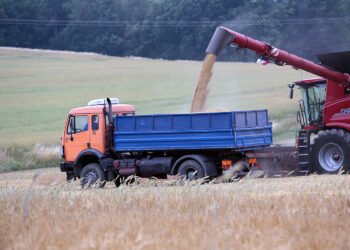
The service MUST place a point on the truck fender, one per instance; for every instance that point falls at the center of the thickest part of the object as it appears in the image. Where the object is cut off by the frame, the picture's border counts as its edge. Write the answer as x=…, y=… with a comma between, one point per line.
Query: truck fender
x=206, y=162
x=87, y=152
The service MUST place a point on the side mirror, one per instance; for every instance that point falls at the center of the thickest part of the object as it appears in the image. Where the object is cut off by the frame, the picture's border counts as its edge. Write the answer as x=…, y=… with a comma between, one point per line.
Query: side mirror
x=291, y=86
x=71, y=135
x=298, y=116
x=72, y=126
x=291, y=93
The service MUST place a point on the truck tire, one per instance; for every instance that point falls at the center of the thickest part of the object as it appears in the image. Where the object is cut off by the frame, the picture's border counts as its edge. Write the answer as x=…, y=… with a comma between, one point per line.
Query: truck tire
x=118, y=181
x=92, y=173
x=127, y=180
x=330, y=152
x=191, y=170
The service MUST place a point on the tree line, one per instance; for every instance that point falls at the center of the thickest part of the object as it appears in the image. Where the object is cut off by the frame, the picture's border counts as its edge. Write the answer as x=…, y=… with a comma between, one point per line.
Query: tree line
x=174, y=29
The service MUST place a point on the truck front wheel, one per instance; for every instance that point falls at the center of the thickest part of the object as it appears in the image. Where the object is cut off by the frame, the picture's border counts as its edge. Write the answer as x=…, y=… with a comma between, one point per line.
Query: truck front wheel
x=92, y=174
x=191, y=170
x=331, y=152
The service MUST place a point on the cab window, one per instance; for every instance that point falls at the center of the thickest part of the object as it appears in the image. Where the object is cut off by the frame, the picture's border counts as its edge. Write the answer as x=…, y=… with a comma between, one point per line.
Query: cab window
x=107, y=118
x=78, y=124
x=118, y=114
x=94, y=122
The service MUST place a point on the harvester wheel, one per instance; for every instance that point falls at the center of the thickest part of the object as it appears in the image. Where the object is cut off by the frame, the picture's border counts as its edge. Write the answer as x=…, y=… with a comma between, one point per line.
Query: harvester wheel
x=330, y=152
x=191, y=170
x=92, y=174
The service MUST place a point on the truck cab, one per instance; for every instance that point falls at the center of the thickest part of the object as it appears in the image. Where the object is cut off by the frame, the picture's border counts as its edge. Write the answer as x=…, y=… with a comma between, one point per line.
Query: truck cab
x=86, y=132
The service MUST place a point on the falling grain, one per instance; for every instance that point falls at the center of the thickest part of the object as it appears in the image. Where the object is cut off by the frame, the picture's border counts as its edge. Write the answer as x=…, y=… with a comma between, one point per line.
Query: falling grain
x=201, y=93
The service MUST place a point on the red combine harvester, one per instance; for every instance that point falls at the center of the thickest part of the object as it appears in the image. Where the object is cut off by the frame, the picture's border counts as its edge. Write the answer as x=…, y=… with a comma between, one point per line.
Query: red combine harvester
x=324, y=107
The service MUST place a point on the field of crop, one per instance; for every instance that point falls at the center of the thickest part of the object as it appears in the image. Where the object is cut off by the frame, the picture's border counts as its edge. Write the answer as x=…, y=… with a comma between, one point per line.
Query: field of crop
x=44, y=212
x=38, y=88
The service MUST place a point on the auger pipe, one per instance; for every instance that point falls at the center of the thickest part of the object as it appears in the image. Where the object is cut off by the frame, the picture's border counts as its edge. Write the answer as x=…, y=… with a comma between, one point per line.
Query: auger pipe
x=224, y=36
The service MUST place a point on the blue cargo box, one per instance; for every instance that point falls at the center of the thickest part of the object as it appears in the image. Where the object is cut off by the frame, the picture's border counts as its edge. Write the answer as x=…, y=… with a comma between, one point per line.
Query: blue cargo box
x=239, y=130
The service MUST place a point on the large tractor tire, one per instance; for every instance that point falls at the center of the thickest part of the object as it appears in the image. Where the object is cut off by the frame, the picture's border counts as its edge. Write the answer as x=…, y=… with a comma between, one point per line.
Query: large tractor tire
x=92, y=175
x=330, y=152
x=191, y=170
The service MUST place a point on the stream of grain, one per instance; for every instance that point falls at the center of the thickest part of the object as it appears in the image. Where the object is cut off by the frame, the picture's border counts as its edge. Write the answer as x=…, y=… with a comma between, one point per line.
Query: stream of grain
x=202, y=90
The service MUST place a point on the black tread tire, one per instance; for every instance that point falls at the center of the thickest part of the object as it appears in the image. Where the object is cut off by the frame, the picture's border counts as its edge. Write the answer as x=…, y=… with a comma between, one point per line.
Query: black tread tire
x=70, y=176
x=93, y=168
x=127, y=180
x=334, y=136
x=118, y=181
x=191, y=165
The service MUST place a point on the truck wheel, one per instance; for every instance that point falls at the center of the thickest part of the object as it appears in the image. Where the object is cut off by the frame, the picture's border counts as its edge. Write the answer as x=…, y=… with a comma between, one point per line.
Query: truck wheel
x=118, y=181
x=331, y=152
x=191, y=170
x=127, y=180
x=91, y=174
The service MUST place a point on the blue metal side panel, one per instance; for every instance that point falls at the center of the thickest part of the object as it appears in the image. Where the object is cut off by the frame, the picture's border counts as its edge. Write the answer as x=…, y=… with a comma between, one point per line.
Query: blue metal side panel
x=237, y=130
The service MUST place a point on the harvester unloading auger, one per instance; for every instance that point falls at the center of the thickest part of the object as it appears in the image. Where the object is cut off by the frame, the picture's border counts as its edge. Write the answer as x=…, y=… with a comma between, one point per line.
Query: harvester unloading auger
x=324, y=109
x=267, y=53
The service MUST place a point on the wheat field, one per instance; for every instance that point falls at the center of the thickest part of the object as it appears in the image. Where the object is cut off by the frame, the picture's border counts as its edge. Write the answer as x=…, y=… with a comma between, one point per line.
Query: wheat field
x=39, y=210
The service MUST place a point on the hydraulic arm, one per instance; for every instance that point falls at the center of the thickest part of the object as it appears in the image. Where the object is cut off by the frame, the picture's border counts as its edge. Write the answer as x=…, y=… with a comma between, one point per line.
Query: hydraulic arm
x=267, y=52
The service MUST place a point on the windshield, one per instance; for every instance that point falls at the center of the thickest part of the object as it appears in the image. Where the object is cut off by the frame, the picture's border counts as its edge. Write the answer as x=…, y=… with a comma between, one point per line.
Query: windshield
x=313, y=99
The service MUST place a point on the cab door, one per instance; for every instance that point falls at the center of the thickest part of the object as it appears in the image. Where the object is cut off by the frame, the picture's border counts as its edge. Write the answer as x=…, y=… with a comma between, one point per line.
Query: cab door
x=97, y=133
x=77, y=136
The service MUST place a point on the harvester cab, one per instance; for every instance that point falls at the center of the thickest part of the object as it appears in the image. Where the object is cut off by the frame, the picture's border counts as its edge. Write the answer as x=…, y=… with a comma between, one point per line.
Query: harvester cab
x=311, y=104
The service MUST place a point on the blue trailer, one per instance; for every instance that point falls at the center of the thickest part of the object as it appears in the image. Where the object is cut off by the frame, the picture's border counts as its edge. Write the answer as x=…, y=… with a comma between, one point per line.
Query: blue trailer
x=237, y=130
x=191, y=145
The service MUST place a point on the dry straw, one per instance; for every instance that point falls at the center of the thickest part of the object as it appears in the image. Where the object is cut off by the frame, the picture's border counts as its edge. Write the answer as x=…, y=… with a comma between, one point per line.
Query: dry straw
x=311, y=212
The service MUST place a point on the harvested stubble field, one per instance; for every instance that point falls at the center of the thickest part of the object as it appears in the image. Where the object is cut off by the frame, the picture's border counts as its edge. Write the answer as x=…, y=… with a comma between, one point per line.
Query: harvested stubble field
x=310, y=212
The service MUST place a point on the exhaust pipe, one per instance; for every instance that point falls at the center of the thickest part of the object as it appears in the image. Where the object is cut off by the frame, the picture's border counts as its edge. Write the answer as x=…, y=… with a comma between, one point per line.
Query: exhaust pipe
x=110, y=124
x=219, y=40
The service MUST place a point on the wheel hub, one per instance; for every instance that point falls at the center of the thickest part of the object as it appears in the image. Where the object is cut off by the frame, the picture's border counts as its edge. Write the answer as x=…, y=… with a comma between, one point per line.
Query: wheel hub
x=336, y=157
x=91, y=177
x=331, y=157
x=191, y=174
